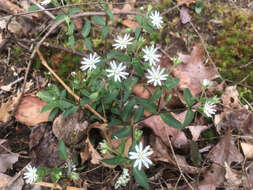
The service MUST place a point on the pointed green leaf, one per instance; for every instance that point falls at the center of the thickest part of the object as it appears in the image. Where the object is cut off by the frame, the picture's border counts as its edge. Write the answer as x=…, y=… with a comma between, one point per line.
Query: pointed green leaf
x=46, y=96
x=49, y=106
x=60, y=17
x=171, y=83
x=139, y=113
x=105, y=31
x=171, y=121
x=137, y=32
x=188, y=118
x=110, y=14
x=53, y=113
x=86, y=29
x=62, y=150
x=99, y=20
x=122, y=133
x=140, y=178
x=33, y=8
x=71, y=41
x=156, y=95
x=128, y=110
x=88, y=44
x=188, y=97
x=74, y=10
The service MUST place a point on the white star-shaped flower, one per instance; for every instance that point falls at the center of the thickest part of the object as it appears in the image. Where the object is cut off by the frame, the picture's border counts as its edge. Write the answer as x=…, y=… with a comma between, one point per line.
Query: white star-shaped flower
x=156, y=19
x=45, y=2
x=150, y=55
x=156, y=76
x=209, y=109
x=31, y=175
x=122, y=43
x=90, y=63
x=207, y=83
x=141, y=156
x=117, y=71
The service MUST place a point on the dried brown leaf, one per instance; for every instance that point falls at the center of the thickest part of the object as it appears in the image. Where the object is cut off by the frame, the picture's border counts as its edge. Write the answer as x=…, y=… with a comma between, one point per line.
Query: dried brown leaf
x=4, y=180
x=130, y=24
x=7, y=160
x=233, y=178
x=247, y=149
x=192, y=71
x=212, y=178
x=185, y=17
x=7, y=107
x=230, y=98
x=196, y=131
x=164, y=131
x=29, y=110
x=225, y=151
x=72, y=130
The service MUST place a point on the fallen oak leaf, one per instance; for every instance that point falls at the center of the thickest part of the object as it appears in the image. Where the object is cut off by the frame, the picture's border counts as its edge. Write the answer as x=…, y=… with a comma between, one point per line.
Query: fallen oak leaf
x=29, y=111
x=192, y=71
x=196, y=131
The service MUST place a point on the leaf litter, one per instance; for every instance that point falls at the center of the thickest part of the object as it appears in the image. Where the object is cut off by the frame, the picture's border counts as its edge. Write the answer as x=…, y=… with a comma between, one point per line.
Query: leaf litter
x=234, y=116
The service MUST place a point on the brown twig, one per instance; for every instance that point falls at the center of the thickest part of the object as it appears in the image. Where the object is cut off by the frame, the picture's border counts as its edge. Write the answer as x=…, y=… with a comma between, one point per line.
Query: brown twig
x=67, y=87
x=180, y=169
x=42, y=8
x=56, y=186
x=207, y=53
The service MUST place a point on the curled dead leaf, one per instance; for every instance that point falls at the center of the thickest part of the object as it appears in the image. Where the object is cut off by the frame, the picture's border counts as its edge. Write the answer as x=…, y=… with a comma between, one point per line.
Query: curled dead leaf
x=247, y=149
x=28, y=111
x=164, y=131
x=7, y=107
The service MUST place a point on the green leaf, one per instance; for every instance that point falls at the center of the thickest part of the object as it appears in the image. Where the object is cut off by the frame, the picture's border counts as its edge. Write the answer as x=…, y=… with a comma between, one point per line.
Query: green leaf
x=137, y=32
x=198, y=10
x=195, y=154
x=46, y=96
x=117, y=160
x=147, y=28
x=85, y=101
x=49, y=106
x=140, y=178
x=139, y=69
x=88, y=44
x=122, y=133
x=188, y=97
x=71, y=41
x=63, y=104
x=53, y=113
x=110, y=14
x=60, y=17
x=33, y=8
x=105, y=31
x=171, y=121
x=140, y=19
x=86, y=29
x=171, y=83
x=69, y=112
x=74, y=10
x=156, y=95
x=128, y=110
x=62, y=150
x=113, y=122
x=110, y=97
x=63, y=94
x=138, y=114
x=56, y=90
x=188, y=118
x=119, y=56
x=99, y=20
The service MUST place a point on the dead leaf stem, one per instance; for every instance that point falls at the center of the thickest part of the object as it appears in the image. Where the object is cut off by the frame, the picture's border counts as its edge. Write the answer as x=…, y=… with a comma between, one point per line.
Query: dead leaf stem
x=67, y=87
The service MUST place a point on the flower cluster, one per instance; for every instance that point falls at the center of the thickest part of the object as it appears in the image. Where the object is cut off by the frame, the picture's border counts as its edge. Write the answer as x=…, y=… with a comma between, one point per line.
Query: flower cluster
x=123, y=179
x=31, y=175
x=141, y=156
x=45, y=2
x=154, y=75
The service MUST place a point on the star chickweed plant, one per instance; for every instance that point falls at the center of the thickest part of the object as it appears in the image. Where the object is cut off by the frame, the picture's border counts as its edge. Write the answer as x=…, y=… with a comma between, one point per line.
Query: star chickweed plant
x=105, y=80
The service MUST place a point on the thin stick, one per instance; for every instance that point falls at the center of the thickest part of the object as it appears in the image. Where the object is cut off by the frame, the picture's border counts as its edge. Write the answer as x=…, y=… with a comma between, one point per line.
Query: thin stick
x=207, y=53
x=67, y=87
x=180, y=170
x=42, y=8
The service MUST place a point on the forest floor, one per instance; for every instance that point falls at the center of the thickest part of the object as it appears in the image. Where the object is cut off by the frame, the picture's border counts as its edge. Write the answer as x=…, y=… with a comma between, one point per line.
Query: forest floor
x=213, y=39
